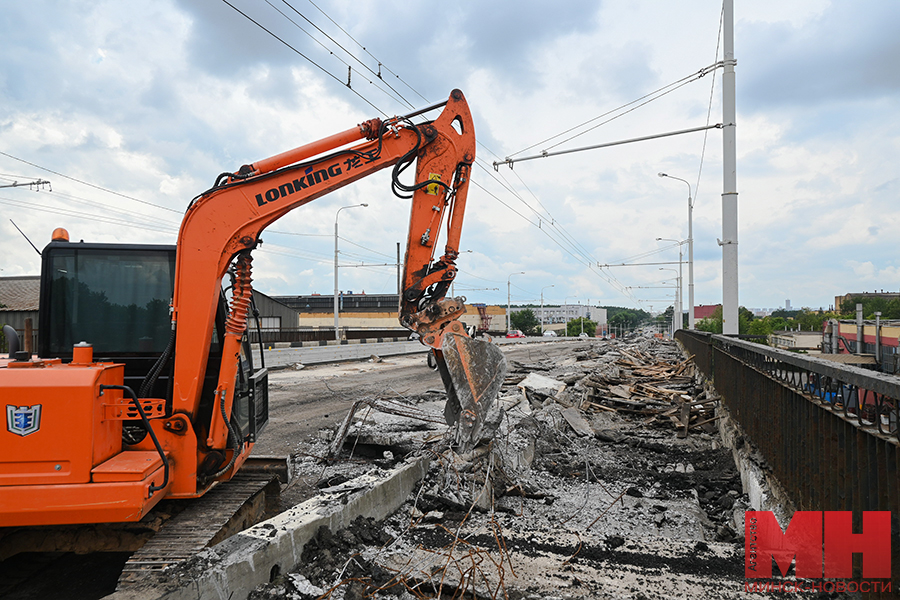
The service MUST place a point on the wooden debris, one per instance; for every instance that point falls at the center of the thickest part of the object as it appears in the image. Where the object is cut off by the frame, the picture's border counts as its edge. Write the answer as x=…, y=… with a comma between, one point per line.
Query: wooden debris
x=573, y=417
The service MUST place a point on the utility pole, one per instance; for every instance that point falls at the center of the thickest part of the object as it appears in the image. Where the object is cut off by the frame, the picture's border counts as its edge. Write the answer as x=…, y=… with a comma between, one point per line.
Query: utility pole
x=508, y=297
x=398, y=269
x=729, y=241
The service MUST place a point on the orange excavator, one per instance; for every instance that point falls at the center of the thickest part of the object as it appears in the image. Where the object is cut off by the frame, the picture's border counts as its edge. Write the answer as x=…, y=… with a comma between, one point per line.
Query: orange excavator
x=145, y=386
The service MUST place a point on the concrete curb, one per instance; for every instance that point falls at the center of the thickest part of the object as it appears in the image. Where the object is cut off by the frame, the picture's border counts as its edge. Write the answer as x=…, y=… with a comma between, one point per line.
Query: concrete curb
x=257, y=555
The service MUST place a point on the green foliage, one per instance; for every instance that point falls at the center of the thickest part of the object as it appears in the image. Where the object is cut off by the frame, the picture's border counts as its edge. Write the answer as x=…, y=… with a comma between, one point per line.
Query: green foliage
x=889, y=309
x=573, y=327
x=625, y=318
x=526, y=321
x=712, y=323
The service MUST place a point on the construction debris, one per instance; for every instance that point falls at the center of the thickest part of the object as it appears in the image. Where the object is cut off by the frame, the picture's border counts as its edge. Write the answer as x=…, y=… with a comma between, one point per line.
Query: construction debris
x=596, y=476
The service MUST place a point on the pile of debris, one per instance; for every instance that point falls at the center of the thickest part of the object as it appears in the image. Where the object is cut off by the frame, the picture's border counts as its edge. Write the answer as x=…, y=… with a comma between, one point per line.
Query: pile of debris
x=597, y=476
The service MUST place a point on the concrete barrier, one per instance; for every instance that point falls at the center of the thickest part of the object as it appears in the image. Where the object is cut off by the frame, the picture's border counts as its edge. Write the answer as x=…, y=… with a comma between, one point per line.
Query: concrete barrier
x=257, y=555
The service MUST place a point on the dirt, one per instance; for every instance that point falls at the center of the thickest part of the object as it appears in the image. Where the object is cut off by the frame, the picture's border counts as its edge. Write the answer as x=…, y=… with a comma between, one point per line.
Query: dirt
x=634, y=511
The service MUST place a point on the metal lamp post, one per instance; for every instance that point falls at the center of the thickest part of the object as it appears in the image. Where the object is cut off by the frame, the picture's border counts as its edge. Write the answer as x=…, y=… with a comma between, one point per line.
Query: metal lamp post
x=337, y=333
x=508, y=296
x=566, y=305
x=680, y=280
x=677, y=306
x=542, y=306
x=690, y=242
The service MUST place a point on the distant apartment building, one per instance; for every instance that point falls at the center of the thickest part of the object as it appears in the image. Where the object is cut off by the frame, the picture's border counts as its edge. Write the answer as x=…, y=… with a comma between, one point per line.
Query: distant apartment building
x=563, y=313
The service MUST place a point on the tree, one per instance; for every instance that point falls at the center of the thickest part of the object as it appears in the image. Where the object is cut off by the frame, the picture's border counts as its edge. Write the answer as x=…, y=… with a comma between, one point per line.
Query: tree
x=525, y=321
x=573, y=327
x=712, y=323
x=625, y=318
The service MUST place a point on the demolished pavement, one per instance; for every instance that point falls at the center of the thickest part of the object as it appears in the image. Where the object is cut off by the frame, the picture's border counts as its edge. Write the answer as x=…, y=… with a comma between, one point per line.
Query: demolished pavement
x=597, y=476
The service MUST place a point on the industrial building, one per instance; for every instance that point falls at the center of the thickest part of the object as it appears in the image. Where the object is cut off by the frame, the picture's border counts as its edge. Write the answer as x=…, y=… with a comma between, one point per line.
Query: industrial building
x=378, y=311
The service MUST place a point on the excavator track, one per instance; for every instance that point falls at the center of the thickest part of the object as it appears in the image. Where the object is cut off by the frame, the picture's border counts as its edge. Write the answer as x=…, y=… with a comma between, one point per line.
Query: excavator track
x=223, y=511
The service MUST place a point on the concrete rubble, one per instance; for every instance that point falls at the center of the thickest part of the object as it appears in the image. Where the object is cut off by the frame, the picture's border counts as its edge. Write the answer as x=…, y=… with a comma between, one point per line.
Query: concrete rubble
x=598, y=476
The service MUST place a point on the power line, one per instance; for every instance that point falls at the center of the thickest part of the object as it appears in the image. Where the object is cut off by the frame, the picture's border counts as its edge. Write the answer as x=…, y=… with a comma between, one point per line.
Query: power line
x=312, y=37
x=311, y=61
x=96, y=187
x=712, y=88
x=652, y=95
x=367, y=52
x=378, y=75
x=81, y=215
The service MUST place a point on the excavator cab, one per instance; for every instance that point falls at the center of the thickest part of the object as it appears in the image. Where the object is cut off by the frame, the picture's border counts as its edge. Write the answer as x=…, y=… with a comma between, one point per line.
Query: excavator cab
x=117, y=298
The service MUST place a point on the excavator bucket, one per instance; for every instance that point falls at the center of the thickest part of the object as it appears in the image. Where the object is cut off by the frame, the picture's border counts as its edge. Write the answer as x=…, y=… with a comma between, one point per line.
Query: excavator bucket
x=473, y=371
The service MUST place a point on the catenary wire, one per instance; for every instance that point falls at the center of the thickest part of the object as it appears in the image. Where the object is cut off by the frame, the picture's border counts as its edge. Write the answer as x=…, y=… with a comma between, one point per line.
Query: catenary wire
x=350, y=54
x=96, y=187
x=712, y=89
x=298, y=26
x=367, y=52
x=652, y=95
x=314, y=63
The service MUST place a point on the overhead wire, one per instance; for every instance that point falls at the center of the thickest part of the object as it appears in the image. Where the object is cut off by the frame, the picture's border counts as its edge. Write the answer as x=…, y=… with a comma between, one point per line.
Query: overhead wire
x=654, y=95
x=712, y=89
x=96, y=187
x=308, y=59
x=367, y=52
x=313, y=38
x=81, y=215
x=350, y=54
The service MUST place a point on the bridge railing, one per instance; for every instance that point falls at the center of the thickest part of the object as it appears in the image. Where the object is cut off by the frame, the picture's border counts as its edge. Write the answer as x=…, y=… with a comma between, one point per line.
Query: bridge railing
x=829, y=431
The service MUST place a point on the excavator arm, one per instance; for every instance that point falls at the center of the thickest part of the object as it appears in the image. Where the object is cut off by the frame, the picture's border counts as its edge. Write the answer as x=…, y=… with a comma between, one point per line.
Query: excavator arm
x=223, y=225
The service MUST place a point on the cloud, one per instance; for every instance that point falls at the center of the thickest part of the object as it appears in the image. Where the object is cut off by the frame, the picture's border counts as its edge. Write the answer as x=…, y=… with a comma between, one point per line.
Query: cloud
x=847, y=53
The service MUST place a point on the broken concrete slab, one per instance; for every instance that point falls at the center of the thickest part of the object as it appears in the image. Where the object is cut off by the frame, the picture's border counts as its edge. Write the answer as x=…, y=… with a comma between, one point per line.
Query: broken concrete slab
x=542, y=384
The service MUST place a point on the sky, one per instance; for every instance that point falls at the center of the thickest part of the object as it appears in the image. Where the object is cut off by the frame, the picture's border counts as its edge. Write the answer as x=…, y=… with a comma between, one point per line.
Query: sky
x=131, y=109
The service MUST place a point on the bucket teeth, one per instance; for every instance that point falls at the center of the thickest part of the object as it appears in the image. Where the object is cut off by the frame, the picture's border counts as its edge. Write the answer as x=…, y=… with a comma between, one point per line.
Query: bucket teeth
x=472, y=371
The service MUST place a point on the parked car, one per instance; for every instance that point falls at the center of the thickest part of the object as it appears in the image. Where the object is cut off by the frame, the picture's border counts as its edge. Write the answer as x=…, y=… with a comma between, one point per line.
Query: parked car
x=582, y=335
x=514, y=333
x=549, y=334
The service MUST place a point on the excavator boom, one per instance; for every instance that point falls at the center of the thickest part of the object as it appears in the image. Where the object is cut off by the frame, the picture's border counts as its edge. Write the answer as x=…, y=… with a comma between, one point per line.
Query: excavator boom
x=127, y=449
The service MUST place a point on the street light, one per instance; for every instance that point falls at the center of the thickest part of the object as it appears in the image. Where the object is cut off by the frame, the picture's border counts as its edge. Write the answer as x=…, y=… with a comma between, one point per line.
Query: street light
x=677, y=305
x=690, y=241
x=337, y=334
x=680, y=280
x=542, y=306
x=508, y=307
x=566, y=308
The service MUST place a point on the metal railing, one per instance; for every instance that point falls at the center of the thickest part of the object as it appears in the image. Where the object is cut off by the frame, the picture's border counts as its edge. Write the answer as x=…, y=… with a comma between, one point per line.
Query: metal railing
x=828, y=431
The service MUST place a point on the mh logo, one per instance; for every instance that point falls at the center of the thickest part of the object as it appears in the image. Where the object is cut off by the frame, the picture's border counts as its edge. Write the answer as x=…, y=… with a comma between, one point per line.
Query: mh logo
x=821, y=542
x=23, y=420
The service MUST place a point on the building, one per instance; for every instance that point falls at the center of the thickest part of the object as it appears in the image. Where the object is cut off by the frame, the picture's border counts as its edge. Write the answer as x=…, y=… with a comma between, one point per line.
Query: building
x=805, y=341
x=705, y=311
x=378, y=311
x=881, y=344
x=838, y=300
x=274, y=315
x=19, y=299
